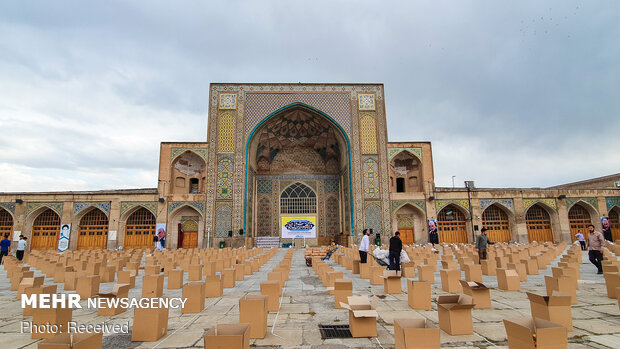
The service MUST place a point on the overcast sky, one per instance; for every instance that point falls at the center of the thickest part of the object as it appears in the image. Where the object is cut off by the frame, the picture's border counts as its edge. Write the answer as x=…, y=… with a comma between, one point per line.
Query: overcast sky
x=511, y=94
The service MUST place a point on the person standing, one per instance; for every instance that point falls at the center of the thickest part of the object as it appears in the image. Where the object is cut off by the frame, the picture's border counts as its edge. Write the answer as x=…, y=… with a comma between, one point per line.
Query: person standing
x=396, y=246
x=481, y=244
x=596, y=242
x=582, y=240
x=5, y=246
x=364, y=246
x=21, y=247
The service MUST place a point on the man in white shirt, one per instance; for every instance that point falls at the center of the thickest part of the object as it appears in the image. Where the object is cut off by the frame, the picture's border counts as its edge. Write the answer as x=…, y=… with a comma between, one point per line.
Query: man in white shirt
x=21, y=247
x=364, y=245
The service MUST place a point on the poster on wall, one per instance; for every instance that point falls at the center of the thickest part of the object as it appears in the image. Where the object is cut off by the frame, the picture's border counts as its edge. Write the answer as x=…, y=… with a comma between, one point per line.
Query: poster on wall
x=16, y=234
x=299, y=227
x=606, y=229
x=160, y=229
x=433, y=238
x=63, y=237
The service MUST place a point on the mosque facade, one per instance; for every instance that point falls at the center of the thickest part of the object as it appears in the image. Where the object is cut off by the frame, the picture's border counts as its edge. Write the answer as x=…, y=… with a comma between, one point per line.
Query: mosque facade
x=281, y=153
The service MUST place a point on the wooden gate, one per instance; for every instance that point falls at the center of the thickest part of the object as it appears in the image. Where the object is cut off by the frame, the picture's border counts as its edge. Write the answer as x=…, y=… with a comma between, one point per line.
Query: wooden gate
x=614, y=221
x=578, y=219
x=45, y=231
x=496, y=222
x=6, y=224
x=451, y=225
x=190, y=234
x=406, y=235
x=139, y=230
x=538, y=224
x=93, y=231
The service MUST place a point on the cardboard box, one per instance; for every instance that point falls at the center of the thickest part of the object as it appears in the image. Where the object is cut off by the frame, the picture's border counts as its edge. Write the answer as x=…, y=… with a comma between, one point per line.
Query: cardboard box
x=228, y=278
x=531, y=267
x=343, y=288
x=612, y=282
x=408, y=269
x=277, y=276
x=195, y=294
x=454, y=314
x=88, y=286
x=228, y=336
x=521, y=331
x=119, y=291
x=126, y=277
x=489, y=267
x=355, y=266
x=75, y=341
x=362, y=316
x=149, y=324
x=152, y=286
x=175, y=279
x=107, y=273
x=449, y=264
x=53, y=316
x=253, y=310
x=508, y=280
x=272, y=290
x=376, y=275
x=29, y=282
x=473, y=272
x=364, y=271
x=479, y=293
x=520, y=269
x=450, y=280
x=419, y=294
x=555, y=308
x=43, y=289
x=391, y=282
x=239, y=272
x=195, y=272
x=415, y=333
x=561, y=284
x=426, y=272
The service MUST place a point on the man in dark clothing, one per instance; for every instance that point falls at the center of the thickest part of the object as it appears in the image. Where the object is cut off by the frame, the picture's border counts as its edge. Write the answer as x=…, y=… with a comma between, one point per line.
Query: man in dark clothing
x=396, y=245
x=5, y=244
x=481, y=244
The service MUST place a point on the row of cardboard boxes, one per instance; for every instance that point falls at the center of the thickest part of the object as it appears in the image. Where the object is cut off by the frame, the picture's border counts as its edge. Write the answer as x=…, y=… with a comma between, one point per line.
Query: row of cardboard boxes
x=151, y=324
x=551, y=314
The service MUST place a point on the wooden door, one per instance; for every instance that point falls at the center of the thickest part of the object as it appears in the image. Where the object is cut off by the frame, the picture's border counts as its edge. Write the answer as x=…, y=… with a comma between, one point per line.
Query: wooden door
x=140, y=229
x=451, y=225
x=614, y=221
x=538, y=224
x=496, y=222
x=45, y=231
x=93, y=231
x=578, y=219
x=190, y=234
x=6, y=224
x=190, y=239
x=406, y=235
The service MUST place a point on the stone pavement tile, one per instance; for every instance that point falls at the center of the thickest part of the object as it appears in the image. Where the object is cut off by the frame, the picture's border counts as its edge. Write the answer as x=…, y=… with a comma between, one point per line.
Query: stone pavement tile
x=597, y=326
x=17, y=340
x=491, y=315
x=312, y=337
x=294, y=308
x=446, y=338
x=611, y=309
x=493, y=331
x=287, y=338
x=430, y=315
x=385, y=336
x=181, y=339
x=612, y=341
x=584, y=313
x=578, y=346
x=389, y=316
x=352, y=342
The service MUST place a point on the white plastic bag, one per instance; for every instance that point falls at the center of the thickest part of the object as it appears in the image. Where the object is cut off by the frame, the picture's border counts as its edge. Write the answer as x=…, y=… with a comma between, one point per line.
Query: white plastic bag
x=404, y=258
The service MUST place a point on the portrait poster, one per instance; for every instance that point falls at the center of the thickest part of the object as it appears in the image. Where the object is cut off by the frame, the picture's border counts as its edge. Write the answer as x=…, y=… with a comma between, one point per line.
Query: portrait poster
x=299, y=227
x=63, y=237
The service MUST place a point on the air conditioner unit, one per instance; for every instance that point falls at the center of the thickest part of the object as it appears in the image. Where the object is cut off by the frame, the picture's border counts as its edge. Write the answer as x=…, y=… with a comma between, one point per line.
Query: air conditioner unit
x=617, y=184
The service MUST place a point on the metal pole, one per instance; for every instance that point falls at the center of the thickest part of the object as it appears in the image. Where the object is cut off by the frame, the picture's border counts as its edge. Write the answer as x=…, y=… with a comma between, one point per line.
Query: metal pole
x=453, y=181
x=471, y=216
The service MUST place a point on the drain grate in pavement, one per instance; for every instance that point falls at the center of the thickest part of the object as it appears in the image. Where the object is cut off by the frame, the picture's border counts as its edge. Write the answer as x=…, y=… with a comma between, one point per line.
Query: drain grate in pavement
x=334, y=331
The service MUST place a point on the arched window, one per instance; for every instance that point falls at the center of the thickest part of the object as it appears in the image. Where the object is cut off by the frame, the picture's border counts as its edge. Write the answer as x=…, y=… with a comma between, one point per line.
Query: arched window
x=451, y=225
x=578, y=219
x=538, y=224
x=93, y=231
x=6, y=223
x=496, y=222
x=139, y=229
x=45, y=231
x=298, y=198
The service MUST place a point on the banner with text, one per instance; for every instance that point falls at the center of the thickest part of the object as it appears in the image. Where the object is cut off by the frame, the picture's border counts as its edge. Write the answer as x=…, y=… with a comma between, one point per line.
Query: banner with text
x=298, y=227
